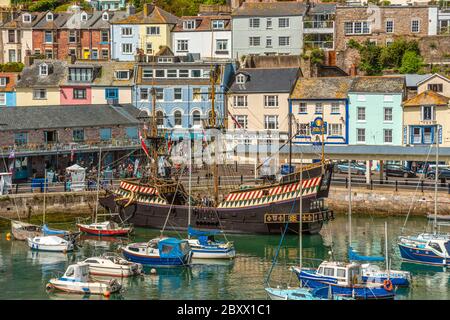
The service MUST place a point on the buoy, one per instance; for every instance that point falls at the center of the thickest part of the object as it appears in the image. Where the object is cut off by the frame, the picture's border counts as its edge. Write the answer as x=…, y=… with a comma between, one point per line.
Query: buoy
x=153, y=271
x=49, y=286
x=106, y=294
x=8, y=236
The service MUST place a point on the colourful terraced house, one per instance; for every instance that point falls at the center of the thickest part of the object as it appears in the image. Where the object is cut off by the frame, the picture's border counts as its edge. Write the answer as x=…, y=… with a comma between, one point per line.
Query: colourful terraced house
x=145, y=32
x=8, y=82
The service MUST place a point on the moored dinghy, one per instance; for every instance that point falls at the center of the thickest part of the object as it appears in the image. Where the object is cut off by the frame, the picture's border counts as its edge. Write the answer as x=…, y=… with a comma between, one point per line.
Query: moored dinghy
x=111, y=264
x=159, y=252
x=76, y=280
x=106, y=228
x=50, y=243
x=206, y=247
x=23, y=231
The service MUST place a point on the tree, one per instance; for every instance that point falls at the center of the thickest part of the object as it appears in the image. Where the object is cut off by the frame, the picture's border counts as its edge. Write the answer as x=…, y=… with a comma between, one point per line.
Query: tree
x=370, y=58
x=44, y=5
x=392, y=55
x=411, y=62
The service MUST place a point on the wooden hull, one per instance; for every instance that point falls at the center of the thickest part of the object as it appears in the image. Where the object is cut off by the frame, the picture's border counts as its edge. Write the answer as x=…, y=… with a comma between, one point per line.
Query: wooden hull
x=104, y=233
x=266, y=213
x=22, y=231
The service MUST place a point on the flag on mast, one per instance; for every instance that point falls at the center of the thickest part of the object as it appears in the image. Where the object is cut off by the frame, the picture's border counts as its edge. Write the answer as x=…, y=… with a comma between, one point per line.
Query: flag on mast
x=143, y=145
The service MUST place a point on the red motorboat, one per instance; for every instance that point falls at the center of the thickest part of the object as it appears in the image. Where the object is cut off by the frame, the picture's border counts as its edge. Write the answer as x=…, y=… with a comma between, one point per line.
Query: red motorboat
x=106, y=228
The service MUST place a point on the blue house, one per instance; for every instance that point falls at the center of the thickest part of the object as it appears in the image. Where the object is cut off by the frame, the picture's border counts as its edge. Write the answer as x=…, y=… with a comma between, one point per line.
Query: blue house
x=181, y=85
x=375, y=110
x=8, y=82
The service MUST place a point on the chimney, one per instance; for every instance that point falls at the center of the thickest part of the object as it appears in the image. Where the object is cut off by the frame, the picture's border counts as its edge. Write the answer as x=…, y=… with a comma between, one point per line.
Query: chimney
x=148, y=9
x=131, y=9
x=353, y=71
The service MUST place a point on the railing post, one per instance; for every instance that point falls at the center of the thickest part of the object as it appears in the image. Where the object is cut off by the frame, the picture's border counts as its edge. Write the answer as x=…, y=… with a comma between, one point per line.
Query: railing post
x=421, y=185
x=242, y=179
x=449, y=188
x=371, y=184
x=198, y=179
x=219, y=181
x=346, y=183
x=396, y=185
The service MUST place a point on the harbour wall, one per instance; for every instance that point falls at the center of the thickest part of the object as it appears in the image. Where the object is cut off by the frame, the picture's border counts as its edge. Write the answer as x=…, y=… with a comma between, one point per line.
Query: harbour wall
x=364, y=201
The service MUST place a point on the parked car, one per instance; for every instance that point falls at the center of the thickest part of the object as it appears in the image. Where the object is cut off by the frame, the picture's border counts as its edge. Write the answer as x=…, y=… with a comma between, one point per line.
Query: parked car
x=397, y=170
x=444, y=172
x=355, y=168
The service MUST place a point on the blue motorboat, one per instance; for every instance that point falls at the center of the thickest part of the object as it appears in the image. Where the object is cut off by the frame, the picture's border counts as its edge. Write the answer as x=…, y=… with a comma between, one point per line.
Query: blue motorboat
x=374, y=274
x=344, y=280
x=53, y=232
x=425, y=249
x=204, y=246
x=159, y=252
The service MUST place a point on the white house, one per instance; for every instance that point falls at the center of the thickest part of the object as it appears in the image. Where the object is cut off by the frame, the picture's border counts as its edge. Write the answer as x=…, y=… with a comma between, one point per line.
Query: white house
x=209, y=36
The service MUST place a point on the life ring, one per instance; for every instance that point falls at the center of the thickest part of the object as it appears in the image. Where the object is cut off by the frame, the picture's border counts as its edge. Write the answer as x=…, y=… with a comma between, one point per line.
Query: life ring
x=387, y=285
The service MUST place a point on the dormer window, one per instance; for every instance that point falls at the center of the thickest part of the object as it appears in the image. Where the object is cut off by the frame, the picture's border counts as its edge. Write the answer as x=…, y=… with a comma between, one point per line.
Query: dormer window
x=189, y=25
x=84, y=16
x=26, y=18
x=165, y=60
x=218, y=24
x=49, y=16
x=240, y=79
x=3, y=81
x=105, y=16
x=123, y=74
x=43, y=70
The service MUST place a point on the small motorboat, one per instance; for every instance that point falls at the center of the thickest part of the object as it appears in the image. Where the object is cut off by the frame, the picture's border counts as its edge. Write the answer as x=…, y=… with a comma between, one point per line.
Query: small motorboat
x=23, y=231
x=111, y=264
x=159, y=252
x=372, y=273
x=431, y=249
x=76, y=279
x=345, y=280
x=50, y=243
x=206, y=247
x=106, y=228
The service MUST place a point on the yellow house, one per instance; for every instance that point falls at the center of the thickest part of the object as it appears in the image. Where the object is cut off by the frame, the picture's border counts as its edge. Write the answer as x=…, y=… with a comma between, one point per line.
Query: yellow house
x=436, y=83
x=39, y=83
x=426, y=118
x=146, y=32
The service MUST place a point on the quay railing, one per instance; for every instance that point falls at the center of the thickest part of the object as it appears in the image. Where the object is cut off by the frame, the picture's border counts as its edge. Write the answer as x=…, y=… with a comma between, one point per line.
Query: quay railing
x=319, y=44
x=206, y=181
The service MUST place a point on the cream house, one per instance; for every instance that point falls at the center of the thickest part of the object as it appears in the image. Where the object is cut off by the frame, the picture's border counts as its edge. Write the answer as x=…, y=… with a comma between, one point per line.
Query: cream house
x=436, y=83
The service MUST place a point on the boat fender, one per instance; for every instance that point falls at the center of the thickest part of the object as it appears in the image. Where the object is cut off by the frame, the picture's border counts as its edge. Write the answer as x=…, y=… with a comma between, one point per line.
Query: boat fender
x=387, y=285
x=153, y=271
x=107, y=294
x=8, y=236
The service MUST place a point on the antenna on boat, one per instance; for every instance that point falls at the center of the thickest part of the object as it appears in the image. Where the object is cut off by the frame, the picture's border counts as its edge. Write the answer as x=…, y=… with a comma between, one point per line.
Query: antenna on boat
x=300, y=227
x=349, y=204
x=190, y=183
x=45, y=194
x=98, y=181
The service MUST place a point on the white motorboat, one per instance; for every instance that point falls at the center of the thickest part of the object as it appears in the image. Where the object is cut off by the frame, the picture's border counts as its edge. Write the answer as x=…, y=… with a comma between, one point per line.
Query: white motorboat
x=204, y=249
x=111, y=264
x=76, y=279
x=50, y=243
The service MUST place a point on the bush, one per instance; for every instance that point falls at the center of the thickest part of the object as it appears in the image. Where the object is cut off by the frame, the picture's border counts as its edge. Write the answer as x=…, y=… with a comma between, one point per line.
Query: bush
x=411, y=62
x=44, y=5
x=12, y=67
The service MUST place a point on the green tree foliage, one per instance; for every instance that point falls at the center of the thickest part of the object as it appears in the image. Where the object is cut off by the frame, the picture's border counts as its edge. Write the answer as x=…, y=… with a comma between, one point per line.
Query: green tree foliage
x=184, y=7
x=370, y=58
x=44, y=5
x=317, y=56
x=411, y=62
x=12, y=67
x=392, y=55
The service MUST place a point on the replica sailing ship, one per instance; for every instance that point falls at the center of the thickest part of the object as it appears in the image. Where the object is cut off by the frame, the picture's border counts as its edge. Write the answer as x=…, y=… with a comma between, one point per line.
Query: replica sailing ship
x=155, y=202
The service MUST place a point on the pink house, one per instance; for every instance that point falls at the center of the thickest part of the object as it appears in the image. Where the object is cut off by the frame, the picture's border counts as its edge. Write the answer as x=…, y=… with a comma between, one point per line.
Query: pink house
x=73, y=95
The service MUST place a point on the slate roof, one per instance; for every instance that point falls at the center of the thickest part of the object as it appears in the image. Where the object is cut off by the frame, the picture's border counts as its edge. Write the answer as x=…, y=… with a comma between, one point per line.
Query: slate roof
x=157, y=16
x=427, y=98
x=48, y=117
x=328, y=8
x=281, y=80
x=413, y=79
x=382, y=84
x=114, y=16
x=437, y=75
x=30, y=75
x=59, y=20
x=270, y=9
x=321, y=88
x=204, y=23
x=18, y=23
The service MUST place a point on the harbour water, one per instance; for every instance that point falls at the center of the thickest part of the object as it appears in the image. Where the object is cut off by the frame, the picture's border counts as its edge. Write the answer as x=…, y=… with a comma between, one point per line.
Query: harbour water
x=24, y=274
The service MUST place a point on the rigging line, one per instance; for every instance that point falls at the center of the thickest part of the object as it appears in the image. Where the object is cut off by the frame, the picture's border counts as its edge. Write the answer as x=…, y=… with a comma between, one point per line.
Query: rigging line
x=415, y=191
x=13, y=198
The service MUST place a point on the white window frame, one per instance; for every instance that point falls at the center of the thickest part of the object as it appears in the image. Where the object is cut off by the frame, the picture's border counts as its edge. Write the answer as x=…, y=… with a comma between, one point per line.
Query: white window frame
x=363, y=114
x=183, y=45
x=254, y=23
x=334, y=106
x=252, y=40
x=390, y=29
x=125, y=33
x=26, y=18
x=39, y=97
x=240, y=79
x=242, y=119
x=153, y=31
x=49, y=16
x=268, y=119
x=45, y=36
x=422, y=113
x=218, y=24
x=284, y=41
x=285, y=23
x=127, y=52
x=3, y=81
x=2, y=98
x=391, y=136
x=188, y=25
x=147, y=73
x=271, y=101
x=118, y=72
x=335, y=129
x=385, y=114
x=357, y=135
x=302, y=106
x=318, y=106
x=222, y=44
x=240, y=101
x=180, y=92
x=412, y=25
x=43, y=70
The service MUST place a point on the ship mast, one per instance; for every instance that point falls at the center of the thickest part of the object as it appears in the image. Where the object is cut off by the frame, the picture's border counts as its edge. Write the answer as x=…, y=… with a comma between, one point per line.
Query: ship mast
x=213, y=125
x=154, y=137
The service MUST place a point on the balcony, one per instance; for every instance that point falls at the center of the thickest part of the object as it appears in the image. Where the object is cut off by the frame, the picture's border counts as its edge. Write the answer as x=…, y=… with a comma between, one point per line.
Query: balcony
x=324, y=45
x=67, y=148
x=318, y=26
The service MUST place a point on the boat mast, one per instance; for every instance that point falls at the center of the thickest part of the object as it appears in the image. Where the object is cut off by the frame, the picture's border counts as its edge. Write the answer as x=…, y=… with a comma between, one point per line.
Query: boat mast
x=323, y=141
x=349, y=205
x=190, y=182
x=436, y=175
x=213, y=125
x=45, y=194
x=300, y=227
x=98, y=181
x=386, y=249
x=153, y=137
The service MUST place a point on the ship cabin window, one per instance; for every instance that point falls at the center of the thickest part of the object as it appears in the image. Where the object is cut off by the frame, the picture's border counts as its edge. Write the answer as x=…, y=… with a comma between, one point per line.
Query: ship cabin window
x=134, y=249
x=70, y=272
x=166, y=249
x=301, y=295
x=341, y=273
x=328, y=272
x=435, y=246
x=320, y=270
x=91, y=261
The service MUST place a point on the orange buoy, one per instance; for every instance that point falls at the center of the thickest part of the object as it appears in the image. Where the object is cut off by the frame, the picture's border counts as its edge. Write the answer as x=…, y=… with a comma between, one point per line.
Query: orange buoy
x=8, y=236
x=107, y=294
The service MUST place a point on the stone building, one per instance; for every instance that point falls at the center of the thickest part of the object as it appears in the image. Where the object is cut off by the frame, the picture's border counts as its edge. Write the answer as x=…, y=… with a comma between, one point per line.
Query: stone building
x=53, y=137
